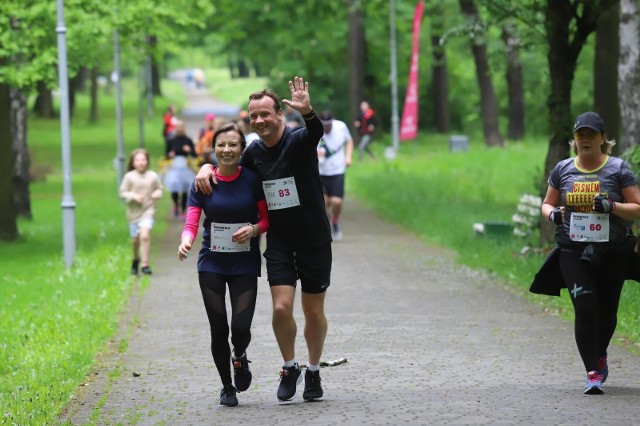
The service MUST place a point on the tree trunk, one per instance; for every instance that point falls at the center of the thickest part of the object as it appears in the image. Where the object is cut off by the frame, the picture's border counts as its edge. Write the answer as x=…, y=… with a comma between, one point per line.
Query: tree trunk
x=21, y=178
x=8, y=213
x=629, y=73
x=243, y=69
x=439, y=75
x=562, y=59
x=155, y=68
x=515, y=82
x=605, y=75
x=43, y=106
x=93, y=110
x=356, y=60
x=73, y=88
x=488, y=101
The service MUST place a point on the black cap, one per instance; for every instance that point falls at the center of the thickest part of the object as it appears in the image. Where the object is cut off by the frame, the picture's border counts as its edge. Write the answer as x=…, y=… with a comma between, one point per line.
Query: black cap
x=326, y=117
x=591, y=120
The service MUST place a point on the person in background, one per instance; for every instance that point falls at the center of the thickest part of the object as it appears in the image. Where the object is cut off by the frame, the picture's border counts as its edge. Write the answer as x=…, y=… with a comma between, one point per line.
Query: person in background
x=168, y=130
x=334, y=156
x=591, y=198
x=235, y=214
x=179, y=176
x=366, y=124
x=299, y=237
x=204, y=146
x=292, y=118
x=140, y=189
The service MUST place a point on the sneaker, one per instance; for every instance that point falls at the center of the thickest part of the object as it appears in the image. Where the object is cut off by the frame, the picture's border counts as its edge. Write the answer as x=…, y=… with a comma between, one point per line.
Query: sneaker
x=146, y=270
x=593, y=385
x=336, y=232
x=289, y=379
x=228, y=396
x=603, y=368
x=134, y=266
x=312, y=387
x=241, y=373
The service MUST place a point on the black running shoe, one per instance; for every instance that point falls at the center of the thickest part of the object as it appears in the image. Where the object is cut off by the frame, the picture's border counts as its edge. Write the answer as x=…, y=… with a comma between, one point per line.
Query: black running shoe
x=134, y=266
x=241, y=373
x=312, y=387
x=289, y=379
x=146, y=270
x=228, y=396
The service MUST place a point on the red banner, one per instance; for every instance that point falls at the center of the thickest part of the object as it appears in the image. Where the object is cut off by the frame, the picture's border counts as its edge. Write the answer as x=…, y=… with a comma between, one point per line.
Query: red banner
x=409, y=123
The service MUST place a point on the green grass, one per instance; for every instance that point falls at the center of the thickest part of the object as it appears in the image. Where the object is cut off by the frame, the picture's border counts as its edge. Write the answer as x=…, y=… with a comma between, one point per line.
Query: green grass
x=439, y=195
x=54, y=321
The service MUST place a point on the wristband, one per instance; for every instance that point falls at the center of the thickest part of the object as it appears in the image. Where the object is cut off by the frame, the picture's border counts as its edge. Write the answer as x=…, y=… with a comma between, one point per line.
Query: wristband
x=255, y=231
x=308, y=116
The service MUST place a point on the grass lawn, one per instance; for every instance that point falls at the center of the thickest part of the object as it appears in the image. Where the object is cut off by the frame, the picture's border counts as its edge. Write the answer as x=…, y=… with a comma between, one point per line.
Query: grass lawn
x=54, y=321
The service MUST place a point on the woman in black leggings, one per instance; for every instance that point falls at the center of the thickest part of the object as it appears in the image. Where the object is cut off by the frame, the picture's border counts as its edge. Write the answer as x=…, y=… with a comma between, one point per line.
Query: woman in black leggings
x=235, y=214
x=592, y=198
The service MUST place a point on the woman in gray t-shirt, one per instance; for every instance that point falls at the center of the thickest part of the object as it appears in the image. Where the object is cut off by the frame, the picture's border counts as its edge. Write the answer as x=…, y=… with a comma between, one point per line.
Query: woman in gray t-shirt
x=593, y=198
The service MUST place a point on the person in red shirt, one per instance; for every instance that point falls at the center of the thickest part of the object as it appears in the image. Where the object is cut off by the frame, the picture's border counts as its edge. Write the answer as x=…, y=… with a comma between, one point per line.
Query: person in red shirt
x=366, y=124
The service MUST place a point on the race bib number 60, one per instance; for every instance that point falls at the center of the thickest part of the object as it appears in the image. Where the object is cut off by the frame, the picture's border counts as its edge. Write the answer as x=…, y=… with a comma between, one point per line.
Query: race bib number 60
x=591, y=228
x=281, y=193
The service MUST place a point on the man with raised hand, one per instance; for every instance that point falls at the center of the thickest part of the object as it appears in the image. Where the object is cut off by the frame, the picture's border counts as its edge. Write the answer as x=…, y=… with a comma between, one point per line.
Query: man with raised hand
x=299, y=238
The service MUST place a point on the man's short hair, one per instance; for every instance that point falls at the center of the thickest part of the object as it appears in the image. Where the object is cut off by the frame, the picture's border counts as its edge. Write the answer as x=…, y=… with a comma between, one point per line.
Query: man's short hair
x=277, y=103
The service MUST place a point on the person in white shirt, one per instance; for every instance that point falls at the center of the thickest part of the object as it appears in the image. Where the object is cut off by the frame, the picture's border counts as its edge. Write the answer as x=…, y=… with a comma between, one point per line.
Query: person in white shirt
x=334, y=156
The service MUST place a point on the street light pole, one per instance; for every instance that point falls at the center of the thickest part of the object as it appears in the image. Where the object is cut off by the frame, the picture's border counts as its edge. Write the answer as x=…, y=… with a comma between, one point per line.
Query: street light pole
x=119, y=160
x=394, y=80
x=68, y=204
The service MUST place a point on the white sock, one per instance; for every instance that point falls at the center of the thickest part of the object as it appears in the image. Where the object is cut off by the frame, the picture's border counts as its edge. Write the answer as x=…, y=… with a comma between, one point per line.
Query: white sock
x=291, y=363
x=312, y=367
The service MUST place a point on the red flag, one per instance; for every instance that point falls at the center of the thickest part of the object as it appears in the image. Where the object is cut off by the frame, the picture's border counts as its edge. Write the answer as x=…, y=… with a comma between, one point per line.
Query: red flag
x=409, y=123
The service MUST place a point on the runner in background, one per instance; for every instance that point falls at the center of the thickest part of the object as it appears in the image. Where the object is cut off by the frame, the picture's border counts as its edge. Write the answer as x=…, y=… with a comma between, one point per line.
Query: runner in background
x=334, y=156
x=366, y=124
x=591, y=198
x=140, y=189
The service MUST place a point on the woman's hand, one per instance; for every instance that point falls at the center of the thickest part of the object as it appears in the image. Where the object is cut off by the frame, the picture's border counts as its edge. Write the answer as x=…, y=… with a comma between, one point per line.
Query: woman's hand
x=243, y=234
x=185, y=248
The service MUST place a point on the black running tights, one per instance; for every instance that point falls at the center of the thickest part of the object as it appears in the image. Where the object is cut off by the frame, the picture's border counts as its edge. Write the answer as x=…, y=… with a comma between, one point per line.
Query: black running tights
x=180, y=200
x=242, y=291
x=595, y=296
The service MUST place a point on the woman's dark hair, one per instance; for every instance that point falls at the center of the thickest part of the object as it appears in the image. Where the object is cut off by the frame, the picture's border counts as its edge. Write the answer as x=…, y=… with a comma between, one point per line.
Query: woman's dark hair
x=229, y=127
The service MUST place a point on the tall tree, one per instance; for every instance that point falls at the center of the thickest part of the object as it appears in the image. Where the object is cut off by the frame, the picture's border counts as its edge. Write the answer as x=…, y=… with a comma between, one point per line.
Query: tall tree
x=605, y=73
x=629, y=73
x=8, y=214
x=21, y=157
x=356, y=58
x=488, y=101
x=515, y=81
x=439, y=72
x=568, y=24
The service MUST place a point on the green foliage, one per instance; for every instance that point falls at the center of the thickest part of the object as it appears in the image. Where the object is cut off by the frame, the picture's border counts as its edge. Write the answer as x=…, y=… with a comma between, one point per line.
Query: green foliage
x=54, y=321
x=440, y=195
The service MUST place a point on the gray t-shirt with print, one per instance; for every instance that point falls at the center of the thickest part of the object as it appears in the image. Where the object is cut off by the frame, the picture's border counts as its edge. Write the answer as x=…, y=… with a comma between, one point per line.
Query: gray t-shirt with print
x=578, y=186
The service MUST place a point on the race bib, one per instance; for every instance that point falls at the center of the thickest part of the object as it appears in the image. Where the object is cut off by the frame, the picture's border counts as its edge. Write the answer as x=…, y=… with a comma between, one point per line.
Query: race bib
x=221, y=241
x=589, y=227
x=281, y=193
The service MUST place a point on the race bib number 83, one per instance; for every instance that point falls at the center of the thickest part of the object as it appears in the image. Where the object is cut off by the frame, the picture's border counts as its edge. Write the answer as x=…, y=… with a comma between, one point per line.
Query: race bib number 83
x=281, y=193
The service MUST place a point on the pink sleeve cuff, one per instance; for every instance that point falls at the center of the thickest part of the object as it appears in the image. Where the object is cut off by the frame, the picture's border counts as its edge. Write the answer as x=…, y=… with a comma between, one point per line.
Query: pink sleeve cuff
x=192, y=222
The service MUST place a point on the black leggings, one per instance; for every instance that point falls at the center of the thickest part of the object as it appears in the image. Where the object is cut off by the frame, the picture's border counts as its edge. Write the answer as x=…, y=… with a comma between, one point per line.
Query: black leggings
x=595, y=296
x=182, y=202
x=243, y=290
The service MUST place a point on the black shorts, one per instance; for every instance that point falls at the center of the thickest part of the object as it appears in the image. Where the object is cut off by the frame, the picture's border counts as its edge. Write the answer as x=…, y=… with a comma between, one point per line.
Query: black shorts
x=312, y=266
x=333, y=186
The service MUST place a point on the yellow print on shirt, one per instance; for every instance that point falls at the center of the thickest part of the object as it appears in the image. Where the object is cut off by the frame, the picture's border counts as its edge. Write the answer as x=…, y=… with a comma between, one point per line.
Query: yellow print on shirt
x=580, y=199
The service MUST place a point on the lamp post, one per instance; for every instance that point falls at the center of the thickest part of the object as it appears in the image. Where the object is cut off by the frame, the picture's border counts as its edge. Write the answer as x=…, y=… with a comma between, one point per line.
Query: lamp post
x=68, y=204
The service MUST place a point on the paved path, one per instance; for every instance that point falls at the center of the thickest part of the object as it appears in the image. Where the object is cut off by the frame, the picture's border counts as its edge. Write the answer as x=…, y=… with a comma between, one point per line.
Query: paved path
x=427, y=342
